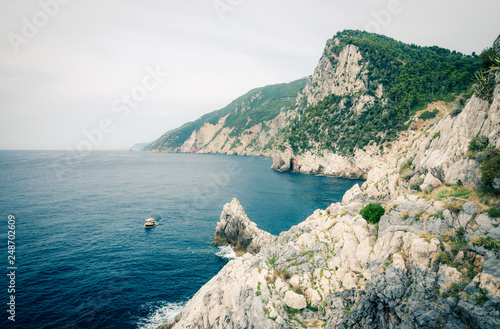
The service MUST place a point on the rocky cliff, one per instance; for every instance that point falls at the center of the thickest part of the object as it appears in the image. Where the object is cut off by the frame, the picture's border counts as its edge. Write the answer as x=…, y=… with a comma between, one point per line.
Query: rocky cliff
x=335, y=269
x=248, y=125
x=432, y=260
x=339, y=121
x=236, y=230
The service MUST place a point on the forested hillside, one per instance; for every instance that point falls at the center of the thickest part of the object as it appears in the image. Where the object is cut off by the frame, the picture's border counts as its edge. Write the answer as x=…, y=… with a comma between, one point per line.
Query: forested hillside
x=411, y=77
x=256, y=106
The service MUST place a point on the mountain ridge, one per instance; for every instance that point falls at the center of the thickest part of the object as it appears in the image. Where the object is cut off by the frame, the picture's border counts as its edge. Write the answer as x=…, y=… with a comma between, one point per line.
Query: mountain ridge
x=350, y=108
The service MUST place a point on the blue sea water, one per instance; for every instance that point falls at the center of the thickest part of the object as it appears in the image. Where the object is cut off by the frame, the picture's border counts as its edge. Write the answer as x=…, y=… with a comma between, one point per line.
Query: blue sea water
x=83, y=257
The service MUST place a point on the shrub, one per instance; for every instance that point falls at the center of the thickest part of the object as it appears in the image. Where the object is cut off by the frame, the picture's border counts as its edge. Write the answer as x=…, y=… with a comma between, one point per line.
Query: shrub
x=478, y=144
x=456, y=111
x=486, y=242
x=490, y=168
x=407, y=174
x=408, y=164
x=494, y=212
x=455, y=289
x=428, y=114
x=372, y=213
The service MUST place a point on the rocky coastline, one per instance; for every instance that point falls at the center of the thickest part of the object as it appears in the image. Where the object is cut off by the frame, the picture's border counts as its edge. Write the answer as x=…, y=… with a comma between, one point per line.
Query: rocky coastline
x=432, y=261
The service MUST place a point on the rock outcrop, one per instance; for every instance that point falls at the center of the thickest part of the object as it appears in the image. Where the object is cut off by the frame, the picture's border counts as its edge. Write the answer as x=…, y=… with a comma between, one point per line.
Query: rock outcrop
x=329, y=164
x=352, y=273
x=236, y=230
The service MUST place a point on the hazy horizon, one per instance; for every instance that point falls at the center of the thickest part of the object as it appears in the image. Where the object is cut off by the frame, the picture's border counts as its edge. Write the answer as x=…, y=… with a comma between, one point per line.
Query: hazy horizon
x=110, y=75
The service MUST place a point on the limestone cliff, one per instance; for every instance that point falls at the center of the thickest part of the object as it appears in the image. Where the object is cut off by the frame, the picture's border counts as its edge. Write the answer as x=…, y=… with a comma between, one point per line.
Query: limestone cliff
x=236, y=230
x=335, y=269
x=248, y=125
x=342, y=119
x=432, y=261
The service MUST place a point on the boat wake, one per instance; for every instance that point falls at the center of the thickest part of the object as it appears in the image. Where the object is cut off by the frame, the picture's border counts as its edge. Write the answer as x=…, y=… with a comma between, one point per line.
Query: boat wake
x=158, y=315
x=226, y=252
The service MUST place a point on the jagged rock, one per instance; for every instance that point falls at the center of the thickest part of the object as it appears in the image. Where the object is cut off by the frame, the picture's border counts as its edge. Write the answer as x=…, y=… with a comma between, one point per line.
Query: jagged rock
x=236, y=230
x=370, y=278
x=329, y=164
x=446, y=276
x=344, y=76
x=295, y=300
x=313, y=297
x=430, y=183
x=467, y=213
x=352, y=194
x=285, y=162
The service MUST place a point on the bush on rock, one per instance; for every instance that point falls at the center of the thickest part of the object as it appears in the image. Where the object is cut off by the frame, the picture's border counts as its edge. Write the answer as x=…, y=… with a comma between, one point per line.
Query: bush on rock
x=372, y=213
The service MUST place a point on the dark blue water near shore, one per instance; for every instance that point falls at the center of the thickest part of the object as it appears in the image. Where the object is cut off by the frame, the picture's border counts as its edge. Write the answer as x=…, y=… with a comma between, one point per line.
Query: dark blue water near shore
x=84, y=259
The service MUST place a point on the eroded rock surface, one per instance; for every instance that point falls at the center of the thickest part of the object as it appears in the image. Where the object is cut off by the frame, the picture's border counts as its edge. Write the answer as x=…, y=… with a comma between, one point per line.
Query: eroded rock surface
x=236, y=230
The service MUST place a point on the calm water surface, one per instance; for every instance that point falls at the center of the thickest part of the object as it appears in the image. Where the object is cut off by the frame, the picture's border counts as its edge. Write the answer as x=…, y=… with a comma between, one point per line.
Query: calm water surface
x=83, y=257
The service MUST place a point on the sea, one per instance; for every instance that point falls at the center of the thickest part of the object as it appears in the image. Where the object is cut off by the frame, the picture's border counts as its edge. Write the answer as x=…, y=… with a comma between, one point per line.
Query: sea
x=75, y=251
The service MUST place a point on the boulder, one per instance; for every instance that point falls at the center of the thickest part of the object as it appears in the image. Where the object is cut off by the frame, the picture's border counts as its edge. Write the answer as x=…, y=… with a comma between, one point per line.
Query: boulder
x=236, y=230
x=295, y=300
x=313, y=297
x=430, y=183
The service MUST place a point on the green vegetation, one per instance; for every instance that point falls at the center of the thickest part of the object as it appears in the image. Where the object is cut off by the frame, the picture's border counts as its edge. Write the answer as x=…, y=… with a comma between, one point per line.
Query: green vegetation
x=258, y=292
x=489, y=161
x=256, y=106
x=477, y=144
x=466, y=265
x=311, y=308
x=489, y=168
x=455, y=289
x=486, y=242
x=372, y=213
x=481, y=297
x=494, y=212
x=426, y=115
x=485, y=78
x=412, y=77
x=272, y=260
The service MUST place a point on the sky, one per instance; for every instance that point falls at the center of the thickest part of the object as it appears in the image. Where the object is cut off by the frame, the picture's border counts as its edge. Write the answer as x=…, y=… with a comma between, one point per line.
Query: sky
x=103, y=75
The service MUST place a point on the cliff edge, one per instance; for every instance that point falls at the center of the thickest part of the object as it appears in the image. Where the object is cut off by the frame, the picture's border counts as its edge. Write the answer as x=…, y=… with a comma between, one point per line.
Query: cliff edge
x=236, y=230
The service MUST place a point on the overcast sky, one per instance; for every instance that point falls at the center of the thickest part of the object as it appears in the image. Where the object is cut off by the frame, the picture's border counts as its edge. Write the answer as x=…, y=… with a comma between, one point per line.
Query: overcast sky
x=108, y=74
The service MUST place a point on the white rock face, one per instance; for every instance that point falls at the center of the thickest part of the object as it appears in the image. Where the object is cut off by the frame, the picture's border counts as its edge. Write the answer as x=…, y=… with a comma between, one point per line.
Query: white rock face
x=236, y=230
x=295, y=300
x=446, y=156
x=329, y=164
x=344, y=76
x=332, y=252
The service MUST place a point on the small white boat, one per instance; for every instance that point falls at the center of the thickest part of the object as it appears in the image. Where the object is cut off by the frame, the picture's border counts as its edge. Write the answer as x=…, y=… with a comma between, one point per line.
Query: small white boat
x=150, y=223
